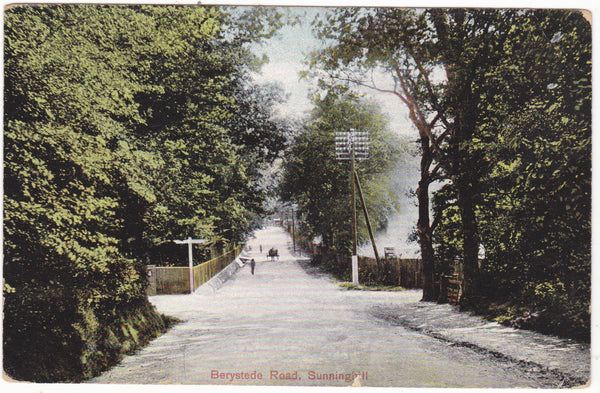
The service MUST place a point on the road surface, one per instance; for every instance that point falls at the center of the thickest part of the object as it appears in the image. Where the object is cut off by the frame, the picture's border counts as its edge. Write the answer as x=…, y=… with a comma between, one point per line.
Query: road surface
x=288, y=324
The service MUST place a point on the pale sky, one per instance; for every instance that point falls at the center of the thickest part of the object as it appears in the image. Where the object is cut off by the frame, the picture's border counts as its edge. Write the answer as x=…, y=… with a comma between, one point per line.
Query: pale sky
x=287, y=53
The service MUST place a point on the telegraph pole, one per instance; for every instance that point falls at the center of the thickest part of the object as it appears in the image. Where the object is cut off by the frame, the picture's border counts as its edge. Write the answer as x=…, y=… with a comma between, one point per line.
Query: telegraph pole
x=364, y=206
x=293, y=229
x=354, y=145
x=354, y=222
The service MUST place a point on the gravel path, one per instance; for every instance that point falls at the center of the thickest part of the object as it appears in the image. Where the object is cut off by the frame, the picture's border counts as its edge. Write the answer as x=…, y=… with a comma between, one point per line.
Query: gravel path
x=288, y=324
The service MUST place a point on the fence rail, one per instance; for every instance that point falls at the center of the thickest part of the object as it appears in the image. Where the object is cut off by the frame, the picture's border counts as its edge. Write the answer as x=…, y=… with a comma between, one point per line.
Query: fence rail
x=404, y=272
x=174, y=280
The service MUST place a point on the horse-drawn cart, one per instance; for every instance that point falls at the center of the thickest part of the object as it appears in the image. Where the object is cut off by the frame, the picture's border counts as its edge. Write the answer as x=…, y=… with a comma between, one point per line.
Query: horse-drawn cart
x=273, y=253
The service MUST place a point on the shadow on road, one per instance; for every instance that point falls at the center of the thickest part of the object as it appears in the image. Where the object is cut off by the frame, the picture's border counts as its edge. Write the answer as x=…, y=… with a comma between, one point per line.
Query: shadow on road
x=313, y=270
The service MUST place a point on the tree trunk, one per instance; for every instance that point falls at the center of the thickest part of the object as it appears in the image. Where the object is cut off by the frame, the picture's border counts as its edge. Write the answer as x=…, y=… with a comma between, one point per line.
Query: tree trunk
x=423, y=224
x=470, y=283
x=425, y=243
x=467, y=178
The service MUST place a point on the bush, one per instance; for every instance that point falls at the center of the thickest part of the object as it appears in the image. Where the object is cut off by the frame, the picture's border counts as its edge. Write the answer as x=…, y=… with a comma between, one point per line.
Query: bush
x=52, y=339
x=546, y=307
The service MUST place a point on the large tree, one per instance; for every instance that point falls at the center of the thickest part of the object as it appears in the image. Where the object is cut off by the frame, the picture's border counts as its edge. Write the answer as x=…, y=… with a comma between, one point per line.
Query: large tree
x=535, y=194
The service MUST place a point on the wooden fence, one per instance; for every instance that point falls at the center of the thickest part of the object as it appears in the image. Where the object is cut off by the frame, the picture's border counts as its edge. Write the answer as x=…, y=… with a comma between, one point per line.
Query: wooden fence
x=404, y=272
x=450, y=290
x=173, y=280
x=168, y=280
x=205, y=271
x=407, y=273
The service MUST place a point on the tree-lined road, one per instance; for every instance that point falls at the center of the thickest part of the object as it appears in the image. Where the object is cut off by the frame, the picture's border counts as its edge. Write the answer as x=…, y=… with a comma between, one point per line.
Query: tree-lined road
x=290, y=321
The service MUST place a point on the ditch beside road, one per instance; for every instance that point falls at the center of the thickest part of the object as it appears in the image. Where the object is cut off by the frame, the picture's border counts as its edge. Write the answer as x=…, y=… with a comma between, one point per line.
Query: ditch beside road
x=291, y=324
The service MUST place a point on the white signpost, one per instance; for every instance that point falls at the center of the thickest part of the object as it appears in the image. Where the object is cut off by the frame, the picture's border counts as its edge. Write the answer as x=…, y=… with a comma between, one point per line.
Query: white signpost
x=189, y=241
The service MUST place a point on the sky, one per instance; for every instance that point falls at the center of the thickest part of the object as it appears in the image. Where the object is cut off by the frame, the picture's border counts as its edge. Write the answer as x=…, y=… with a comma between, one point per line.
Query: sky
x=287, y=53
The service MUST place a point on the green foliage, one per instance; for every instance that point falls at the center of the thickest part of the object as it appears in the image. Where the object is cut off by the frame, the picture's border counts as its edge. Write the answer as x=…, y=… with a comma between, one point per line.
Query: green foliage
x=320, y=184
x=59, y=343
x=123, y=132
x=401, y=43
x=339, y=266
x=447, y=235
x=375, y=288
x=532, y=144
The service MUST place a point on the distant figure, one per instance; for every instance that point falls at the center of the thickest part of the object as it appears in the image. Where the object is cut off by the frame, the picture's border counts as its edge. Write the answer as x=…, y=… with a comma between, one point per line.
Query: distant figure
x=252, y=265
x=261, y=248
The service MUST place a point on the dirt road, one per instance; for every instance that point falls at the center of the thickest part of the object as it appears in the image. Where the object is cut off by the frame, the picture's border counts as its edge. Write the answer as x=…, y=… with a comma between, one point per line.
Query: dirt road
x=290, y=325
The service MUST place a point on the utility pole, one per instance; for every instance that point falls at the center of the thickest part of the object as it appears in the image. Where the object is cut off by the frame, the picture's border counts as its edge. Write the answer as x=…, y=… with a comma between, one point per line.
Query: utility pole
x=364, y=206
x=293, y=229
x=189, y=241
x=354, y=223
x=354, y=145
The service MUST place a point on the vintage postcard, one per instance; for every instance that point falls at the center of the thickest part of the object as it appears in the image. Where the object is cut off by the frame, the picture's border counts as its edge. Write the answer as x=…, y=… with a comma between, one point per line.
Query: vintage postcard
x=297, y=195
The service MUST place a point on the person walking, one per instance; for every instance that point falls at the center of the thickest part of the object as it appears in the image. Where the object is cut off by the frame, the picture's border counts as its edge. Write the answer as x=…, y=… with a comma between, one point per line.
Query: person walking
x=252, y=265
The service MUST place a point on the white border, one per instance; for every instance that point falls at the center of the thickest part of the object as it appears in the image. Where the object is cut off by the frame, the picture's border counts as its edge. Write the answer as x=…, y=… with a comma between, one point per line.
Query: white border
x=591, y=5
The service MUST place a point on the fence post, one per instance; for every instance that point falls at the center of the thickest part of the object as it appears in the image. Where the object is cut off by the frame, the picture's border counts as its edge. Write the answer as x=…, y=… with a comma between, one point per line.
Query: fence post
x=151, y=272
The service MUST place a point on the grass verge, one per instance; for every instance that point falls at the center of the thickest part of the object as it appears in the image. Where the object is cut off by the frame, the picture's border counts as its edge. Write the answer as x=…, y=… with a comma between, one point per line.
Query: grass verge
x=387, y=288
